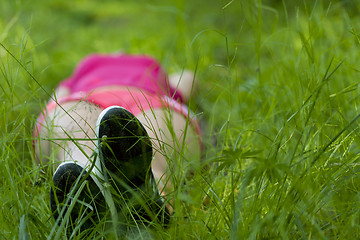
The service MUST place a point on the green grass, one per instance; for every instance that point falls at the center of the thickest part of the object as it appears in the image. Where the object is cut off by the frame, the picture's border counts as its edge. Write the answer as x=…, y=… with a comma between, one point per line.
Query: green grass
x=278, y=90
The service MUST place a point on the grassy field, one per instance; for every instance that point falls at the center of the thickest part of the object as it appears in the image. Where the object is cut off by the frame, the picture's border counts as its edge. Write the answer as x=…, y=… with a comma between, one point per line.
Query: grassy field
x=279, y=85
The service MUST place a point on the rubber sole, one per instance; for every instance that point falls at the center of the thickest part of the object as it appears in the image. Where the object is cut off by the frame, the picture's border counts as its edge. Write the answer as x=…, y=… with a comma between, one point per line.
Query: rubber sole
x=75, y=190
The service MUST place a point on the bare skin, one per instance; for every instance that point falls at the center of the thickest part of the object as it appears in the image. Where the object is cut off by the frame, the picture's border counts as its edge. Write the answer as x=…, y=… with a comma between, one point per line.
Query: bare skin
x=169, y=132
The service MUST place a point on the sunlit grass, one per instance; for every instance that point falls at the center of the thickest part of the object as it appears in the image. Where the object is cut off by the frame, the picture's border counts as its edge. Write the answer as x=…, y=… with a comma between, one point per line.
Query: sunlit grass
x=278, y=95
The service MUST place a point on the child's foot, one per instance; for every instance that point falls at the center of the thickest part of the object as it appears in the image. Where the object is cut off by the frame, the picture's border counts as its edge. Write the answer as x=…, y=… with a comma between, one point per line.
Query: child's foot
x=76, y=200
x=125, y=153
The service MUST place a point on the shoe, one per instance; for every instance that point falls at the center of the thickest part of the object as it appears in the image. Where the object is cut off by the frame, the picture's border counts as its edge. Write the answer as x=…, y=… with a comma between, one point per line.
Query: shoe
x=125, y=153
x=76, y=191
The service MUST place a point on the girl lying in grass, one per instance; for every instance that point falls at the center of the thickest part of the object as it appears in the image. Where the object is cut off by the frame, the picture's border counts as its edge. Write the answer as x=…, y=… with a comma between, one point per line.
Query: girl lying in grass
x=113, y=128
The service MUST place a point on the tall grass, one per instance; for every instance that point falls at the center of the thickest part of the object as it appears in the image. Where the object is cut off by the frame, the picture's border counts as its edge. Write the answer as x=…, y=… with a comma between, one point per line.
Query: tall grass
x=278, y=95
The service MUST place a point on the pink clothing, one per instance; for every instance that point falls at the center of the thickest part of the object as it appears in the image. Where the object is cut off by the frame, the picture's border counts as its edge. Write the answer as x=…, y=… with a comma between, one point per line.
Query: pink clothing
x=152, y=90
x=142, y=72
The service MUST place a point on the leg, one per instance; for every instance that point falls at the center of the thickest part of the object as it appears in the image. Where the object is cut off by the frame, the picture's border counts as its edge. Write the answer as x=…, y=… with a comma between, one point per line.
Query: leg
x=68, y=134
x=126, y=153
x=67, y=138
x=172, y=134
x=174, y=141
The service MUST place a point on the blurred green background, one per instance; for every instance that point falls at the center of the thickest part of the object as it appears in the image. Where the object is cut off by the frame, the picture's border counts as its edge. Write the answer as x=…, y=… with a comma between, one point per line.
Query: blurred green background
x=61, y=33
